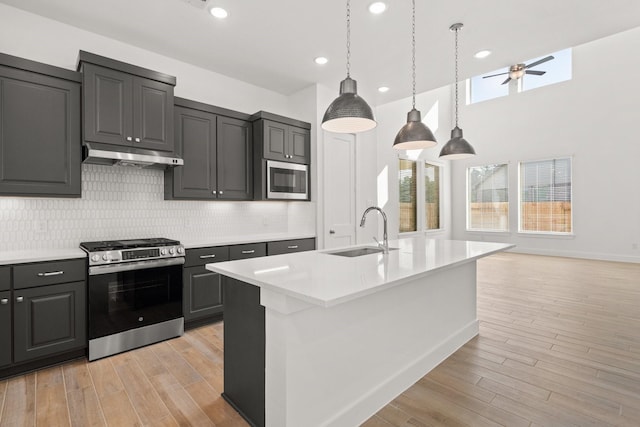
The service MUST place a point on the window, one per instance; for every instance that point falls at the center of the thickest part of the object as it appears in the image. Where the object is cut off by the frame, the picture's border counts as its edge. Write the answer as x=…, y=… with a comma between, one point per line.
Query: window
x=408, y=206
x=432, y=196
x=545, y=196
x=419, y=177
x=488, y=198
x=494, y=84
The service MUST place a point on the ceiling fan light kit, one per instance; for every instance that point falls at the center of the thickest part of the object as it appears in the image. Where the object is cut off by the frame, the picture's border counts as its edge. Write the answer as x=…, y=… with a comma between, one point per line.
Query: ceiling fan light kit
x=348, y=113
x=414, y=135
x=517, y=71
x=457, y=147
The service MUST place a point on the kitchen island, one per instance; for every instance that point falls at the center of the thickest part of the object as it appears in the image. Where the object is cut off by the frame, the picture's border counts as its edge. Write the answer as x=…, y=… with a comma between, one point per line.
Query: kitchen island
x=315, y=338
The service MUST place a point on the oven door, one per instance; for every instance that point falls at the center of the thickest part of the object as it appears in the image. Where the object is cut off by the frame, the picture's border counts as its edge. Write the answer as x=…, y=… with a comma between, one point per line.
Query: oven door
x=130, y=295
x=287, y=181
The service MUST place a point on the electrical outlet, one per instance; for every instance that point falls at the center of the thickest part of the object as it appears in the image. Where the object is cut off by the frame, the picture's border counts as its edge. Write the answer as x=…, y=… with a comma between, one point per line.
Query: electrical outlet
x=265, y=221
x=42, y=226
x=186, y=223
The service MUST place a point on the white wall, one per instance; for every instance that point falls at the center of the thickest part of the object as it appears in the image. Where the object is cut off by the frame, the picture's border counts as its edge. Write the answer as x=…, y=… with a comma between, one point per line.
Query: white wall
x=591, y=118
x=435, y=107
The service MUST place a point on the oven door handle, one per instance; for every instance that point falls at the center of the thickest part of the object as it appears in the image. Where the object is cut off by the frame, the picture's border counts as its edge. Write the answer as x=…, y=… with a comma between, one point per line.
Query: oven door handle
x=136, y=265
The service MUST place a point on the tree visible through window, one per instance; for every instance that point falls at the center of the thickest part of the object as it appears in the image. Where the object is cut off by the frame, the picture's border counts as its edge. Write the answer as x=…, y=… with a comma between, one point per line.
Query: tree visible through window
x=408, y=207
x=488, y=198
x=545, y=196
x=432, y=196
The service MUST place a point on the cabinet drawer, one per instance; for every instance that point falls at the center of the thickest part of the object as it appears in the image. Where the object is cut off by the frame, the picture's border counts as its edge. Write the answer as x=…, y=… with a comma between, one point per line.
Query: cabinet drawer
x=251, y=250
x=48, y=273
x=5, y=278
x=202, y=256
x=290, y=246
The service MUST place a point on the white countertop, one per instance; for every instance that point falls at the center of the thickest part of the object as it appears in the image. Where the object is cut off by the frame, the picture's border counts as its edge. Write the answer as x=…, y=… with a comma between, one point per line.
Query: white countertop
x=239, y=240
x=323, y=279
x=38, y=255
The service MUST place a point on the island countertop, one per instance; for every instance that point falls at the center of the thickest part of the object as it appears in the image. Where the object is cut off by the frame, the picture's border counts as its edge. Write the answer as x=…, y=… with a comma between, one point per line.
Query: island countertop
x=324, y=279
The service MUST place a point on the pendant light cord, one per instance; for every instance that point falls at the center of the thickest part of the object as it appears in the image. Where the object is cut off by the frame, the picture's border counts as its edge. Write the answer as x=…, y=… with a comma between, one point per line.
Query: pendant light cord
x=413, y=51
x=348, y=37
x=456, y=79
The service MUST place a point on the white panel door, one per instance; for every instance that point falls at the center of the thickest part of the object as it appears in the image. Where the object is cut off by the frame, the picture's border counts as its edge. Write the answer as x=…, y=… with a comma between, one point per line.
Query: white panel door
x=339, y=190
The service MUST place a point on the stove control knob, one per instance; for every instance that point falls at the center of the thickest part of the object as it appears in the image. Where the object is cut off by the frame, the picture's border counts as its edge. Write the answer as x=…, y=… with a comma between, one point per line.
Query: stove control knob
x=172, y=251
x=95, y=257
x=180, y=250
x=163, y=251
x=105, y=257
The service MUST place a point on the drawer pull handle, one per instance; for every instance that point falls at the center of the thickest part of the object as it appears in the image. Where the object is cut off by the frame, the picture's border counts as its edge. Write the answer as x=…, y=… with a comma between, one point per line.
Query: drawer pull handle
x=51, y=273
x=19, y=299
x=4, y=301
x=292, y=247
x=207, y=256
x=252, y=251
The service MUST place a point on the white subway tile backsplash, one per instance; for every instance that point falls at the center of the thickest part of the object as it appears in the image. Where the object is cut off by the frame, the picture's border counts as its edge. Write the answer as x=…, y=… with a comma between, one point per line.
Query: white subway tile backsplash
x=121, y=202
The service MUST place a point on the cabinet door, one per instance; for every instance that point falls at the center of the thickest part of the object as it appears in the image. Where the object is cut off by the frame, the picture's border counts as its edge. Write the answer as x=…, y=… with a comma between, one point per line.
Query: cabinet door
x=290, y=246
x=5, y=328
x=108, y=100
x=202, y=293
x=48, y=320
x=195, y=142
x=152, y=114
x=235, y=159
x=40, y=151
x=275, y=140
x=299, y=145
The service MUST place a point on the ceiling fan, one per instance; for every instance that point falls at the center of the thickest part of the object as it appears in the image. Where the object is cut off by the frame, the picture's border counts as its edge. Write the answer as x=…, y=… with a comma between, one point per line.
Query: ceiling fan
x=517, y=71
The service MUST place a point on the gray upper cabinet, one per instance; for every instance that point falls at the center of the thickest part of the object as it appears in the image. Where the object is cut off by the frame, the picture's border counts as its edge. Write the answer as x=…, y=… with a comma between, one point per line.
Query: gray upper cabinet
x=126, y=105
x=40, y=150
x=217, y=152
x=281, y=138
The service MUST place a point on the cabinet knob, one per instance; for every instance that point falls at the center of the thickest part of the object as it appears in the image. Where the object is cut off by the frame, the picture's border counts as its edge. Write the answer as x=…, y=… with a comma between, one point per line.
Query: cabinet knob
x=214, y=192
x=332, y=231
x=137, y=139
x=129, y=139
x=19, y=299
x=221, y=192
x=4, y=301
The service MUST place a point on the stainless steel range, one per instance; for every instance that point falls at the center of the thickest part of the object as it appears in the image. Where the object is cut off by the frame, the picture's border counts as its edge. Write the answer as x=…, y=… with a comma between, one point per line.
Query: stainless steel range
x=134, y=293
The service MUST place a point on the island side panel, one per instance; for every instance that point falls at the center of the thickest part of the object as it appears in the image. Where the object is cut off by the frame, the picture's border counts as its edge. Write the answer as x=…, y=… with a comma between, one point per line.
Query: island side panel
x=337, y=366
x=244, y=350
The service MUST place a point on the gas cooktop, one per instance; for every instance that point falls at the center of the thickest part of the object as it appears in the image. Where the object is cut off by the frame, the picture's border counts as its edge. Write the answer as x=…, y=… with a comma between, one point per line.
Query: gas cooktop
x=115, y=245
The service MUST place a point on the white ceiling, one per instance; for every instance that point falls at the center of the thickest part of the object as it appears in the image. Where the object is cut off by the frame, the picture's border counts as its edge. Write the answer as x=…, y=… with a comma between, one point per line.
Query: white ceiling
x=272, y=44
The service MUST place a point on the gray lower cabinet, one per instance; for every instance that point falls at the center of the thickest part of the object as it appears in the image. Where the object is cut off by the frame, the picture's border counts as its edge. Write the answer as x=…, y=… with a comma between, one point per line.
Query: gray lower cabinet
x=40, y=149
x=202, y=289
x=290, y=246
x=5, y=328
x=217, y=151
x=49, y=320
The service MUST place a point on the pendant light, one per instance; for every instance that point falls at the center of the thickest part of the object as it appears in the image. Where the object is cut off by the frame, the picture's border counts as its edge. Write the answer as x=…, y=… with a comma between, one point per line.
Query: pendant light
x=457, y=147
x=415, y=134
x=348, y=113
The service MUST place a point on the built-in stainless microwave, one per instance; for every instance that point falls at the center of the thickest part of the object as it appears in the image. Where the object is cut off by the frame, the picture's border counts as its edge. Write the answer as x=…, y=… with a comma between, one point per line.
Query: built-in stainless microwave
x=288, y=181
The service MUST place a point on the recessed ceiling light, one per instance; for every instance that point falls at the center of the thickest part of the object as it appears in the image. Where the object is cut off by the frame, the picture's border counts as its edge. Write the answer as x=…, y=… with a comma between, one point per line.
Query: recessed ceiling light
x=377, y=7
x=482, y=54
x=219, y=12
x=321, y=60
x=383, y=89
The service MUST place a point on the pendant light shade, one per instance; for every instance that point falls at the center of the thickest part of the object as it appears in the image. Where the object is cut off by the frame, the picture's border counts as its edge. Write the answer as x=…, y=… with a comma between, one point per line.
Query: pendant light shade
x=348, y=113
x=457, y=147
x=415, y=135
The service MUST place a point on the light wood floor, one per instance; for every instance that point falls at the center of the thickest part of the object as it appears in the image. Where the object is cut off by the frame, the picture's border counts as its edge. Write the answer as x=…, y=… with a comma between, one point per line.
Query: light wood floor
x=559, y=345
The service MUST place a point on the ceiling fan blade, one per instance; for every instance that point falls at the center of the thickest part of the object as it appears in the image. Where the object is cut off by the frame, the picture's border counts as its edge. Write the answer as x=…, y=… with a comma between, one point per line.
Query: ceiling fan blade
x=535, y=72
x=506, y=81
x=540, y=61
x=493, y=75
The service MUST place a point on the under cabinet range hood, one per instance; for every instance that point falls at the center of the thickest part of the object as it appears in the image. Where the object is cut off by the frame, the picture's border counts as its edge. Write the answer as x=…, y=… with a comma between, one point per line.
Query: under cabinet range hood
x=107, y=154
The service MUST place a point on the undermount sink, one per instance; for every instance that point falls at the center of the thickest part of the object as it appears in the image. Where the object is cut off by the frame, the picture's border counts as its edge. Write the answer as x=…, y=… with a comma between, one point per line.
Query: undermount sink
x=366, y=250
